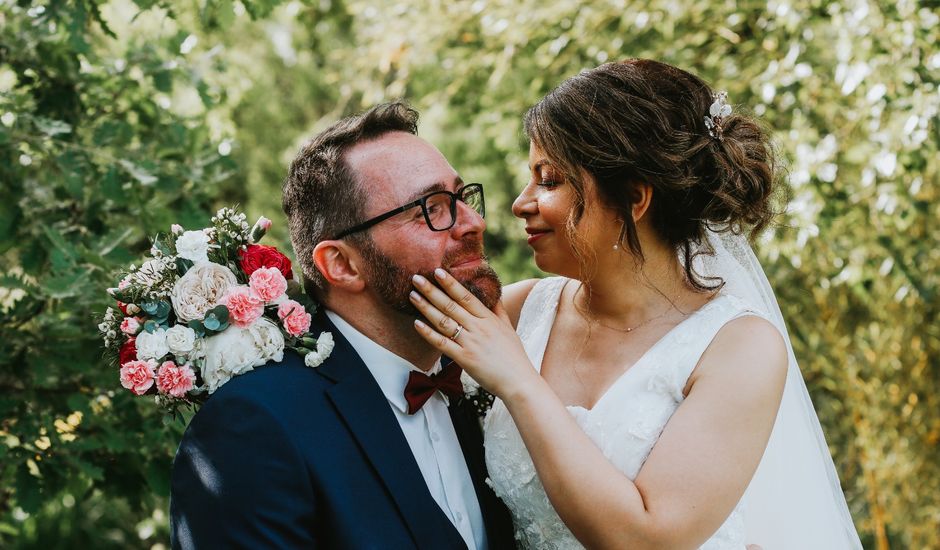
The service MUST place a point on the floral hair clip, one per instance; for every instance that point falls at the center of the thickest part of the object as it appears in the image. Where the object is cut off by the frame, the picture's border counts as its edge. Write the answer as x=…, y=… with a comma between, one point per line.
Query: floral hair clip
x=718, y=111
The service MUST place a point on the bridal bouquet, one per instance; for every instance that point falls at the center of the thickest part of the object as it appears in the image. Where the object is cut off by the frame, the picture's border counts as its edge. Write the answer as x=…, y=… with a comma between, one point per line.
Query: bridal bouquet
x=207, y=305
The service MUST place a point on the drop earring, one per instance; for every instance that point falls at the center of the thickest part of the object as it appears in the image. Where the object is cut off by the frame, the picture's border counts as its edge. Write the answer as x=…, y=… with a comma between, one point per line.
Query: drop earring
x=623, y=229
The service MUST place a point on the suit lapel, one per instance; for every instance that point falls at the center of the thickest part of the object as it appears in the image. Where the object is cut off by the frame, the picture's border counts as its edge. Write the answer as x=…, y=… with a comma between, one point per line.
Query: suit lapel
x=369, y=417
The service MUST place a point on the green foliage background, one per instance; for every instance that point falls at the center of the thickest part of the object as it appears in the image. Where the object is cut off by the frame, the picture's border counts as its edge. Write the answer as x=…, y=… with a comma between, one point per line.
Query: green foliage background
x=119, y=118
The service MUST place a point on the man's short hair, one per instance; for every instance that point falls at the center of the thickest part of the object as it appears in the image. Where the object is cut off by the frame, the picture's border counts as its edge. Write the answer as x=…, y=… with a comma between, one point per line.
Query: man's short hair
x=322, y=195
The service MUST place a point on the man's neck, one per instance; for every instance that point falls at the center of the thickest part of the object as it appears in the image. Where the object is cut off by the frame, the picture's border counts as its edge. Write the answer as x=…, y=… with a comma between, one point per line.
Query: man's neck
x=393, y=331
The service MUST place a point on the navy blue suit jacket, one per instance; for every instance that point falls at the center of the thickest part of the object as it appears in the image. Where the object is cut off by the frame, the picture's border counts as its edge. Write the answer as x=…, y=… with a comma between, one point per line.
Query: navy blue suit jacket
x=289, y=456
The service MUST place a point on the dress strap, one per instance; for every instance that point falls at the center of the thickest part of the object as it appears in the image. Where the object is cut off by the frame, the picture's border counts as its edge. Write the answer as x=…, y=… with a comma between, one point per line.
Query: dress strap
x=538, y=316
x=691, y=341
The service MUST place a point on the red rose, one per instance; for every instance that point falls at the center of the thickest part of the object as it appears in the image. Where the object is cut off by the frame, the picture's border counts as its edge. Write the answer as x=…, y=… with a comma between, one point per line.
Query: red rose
x=259, y=255
x=128, y=351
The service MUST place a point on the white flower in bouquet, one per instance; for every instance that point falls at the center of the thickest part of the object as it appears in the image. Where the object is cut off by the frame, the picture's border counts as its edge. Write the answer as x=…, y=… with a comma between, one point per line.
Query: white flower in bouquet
x=151, y=273
x=193, y=246
x=152, y=345
x=238, y=350
x=269, y=339
x=229, y=353
x=181, y=340
x=325, y=345
x=200, y=290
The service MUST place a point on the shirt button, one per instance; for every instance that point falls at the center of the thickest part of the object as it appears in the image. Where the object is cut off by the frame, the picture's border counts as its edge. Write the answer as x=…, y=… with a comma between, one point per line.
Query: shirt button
x=459, y=516
x=434, y=437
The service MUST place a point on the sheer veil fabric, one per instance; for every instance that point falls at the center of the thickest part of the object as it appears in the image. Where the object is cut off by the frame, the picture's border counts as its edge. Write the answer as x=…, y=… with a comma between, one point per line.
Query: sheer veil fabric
x=795, y=500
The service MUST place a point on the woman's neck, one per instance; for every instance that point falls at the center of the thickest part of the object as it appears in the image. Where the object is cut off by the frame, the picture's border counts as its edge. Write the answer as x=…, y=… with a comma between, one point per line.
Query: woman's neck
x=626, y=292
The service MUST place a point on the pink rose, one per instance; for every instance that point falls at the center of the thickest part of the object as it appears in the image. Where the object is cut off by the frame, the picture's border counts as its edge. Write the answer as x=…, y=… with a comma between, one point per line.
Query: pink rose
x=244, y=306
x=130, y=326
x=137, y=376
x=175, y=380
x=295, y=318
x=268, y=283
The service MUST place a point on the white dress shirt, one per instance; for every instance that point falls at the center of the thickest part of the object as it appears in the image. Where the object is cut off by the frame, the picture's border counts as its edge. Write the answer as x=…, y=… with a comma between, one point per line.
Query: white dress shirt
x=429, y=432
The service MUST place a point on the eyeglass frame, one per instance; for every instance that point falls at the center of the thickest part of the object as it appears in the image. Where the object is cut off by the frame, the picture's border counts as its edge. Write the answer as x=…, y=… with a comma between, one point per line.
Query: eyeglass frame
x=422, y=202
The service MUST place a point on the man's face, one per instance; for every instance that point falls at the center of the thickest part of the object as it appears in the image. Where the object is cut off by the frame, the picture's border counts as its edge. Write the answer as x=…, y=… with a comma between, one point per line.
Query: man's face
x=397, y=169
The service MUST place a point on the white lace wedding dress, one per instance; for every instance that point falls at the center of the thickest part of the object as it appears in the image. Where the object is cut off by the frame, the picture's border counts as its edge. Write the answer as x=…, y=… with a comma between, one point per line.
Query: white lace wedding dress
x=624, y=424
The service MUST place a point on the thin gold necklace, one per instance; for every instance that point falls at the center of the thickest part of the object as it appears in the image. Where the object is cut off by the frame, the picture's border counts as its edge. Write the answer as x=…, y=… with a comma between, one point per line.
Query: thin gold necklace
x=644, y=323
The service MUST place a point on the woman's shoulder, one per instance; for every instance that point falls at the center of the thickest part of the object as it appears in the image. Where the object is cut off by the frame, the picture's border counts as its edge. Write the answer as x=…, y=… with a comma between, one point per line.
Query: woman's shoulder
x=544, y=291
x=750, y=350
x=514, y=296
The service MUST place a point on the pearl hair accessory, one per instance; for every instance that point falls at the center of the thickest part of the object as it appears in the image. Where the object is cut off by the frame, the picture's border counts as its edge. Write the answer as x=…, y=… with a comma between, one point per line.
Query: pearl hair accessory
x=718, y=111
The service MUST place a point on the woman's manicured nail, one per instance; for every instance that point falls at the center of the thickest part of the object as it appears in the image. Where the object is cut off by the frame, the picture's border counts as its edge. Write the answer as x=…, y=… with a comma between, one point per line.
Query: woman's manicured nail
x=419, y=280
x=440, y=273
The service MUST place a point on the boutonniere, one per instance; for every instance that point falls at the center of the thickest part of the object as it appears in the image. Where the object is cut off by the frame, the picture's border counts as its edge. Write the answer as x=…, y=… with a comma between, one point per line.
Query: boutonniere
x=480, y=399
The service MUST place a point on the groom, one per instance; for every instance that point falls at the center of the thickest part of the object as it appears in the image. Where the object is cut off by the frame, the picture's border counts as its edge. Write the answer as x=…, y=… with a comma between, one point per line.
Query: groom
x=366, y=450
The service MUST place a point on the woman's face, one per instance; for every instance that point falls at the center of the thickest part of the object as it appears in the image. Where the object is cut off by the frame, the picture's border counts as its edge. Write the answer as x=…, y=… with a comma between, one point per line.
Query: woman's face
x=545, y=204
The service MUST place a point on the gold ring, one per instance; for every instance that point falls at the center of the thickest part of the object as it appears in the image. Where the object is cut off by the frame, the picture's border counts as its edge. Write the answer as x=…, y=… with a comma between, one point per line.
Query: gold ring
x=456, y=334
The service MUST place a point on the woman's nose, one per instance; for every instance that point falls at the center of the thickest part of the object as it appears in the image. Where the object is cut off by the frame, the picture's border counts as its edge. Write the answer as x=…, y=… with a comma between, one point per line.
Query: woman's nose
x=525, y=203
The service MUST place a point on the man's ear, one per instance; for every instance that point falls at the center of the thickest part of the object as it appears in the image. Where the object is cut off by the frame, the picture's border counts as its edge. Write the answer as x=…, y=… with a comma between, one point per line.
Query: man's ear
x=642, y=198
x=340, y=265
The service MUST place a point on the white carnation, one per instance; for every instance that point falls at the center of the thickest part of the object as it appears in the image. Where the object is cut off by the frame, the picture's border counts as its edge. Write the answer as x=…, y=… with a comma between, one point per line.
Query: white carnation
x=239, y=350
x=325, y=346
x=269, y=339
x=152, y=345
x=470, y=386
x=229, y=353
x=180, y=339
x=200, y=290
x=193, y=246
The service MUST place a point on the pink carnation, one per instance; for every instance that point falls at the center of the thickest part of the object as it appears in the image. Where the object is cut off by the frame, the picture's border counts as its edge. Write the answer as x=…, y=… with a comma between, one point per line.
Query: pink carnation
x=244, y=306
x=268, y=283
x=295, y=318
x=137, y=376
x=175, y=380
x=130, y=326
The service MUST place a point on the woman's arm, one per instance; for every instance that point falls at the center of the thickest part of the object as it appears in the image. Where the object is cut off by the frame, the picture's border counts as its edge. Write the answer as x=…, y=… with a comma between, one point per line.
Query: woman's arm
x=698, y=469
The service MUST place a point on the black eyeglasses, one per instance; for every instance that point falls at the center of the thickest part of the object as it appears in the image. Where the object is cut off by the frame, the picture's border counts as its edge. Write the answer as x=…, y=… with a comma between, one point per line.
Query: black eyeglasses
x=439, y=209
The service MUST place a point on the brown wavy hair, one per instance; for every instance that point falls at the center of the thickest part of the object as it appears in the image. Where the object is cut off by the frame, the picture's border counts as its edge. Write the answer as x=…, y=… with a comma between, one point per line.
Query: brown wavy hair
x=642, y=121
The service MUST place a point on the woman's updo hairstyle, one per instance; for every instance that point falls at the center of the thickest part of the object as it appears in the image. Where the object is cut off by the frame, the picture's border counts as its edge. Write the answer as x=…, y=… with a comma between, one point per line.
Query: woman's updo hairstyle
x=644, y=121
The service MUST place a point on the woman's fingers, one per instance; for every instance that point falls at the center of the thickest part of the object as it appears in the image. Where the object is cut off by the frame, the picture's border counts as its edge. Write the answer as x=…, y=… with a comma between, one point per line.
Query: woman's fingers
x=445, y=345
x=437, y=320
x=460, y=294
x=444, y=303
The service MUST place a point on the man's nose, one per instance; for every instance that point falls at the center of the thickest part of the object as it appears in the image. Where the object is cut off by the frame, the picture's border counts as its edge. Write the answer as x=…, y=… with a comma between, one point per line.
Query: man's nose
x=468, y=221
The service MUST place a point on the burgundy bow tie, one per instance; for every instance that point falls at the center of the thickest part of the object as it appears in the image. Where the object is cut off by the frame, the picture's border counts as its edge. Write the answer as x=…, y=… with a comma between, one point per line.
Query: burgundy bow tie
x=421, y=387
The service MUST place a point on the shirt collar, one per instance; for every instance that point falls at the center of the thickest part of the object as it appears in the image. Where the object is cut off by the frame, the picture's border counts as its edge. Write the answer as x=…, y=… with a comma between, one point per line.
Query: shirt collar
x=390, y=371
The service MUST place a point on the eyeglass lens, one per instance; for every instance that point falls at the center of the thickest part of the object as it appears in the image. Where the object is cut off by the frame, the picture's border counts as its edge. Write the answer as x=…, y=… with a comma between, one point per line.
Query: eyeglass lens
x=441, y=209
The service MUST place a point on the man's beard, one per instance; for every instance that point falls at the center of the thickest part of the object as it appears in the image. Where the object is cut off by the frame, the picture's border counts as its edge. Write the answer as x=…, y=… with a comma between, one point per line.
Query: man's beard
x=393, y=283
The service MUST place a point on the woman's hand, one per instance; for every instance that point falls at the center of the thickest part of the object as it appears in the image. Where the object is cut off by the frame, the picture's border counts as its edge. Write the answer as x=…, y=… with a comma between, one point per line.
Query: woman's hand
x=481, y=341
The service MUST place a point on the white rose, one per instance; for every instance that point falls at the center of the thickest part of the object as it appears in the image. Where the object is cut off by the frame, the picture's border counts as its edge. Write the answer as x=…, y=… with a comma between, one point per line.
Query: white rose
x=200, y=290
x=194, y=246
x=152, y=345
x=180, y=339
x=229, y=353
x=268, y=339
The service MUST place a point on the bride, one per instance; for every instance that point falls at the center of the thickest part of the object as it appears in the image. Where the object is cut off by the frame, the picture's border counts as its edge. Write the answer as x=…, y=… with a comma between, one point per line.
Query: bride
x=648, y=397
